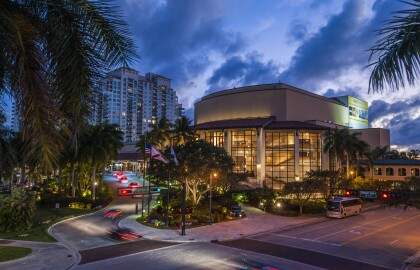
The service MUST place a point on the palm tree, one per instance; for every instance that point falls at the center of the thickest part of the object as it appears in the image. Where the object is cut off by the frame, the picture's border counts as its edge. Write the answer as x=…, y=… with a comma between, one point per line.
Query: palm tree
x=52, y=53
x=413, y=154
x=7, y=154
x=183, y=130
x=398, y=51
x=334, y=145
x=103, y=141
x=160, y=132
x=371, y=155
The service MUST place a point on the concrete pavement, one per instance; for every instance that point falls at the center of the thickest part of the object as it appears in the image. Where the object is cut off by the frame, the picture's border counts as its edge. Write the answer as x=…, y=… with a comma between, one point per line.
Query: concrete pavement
x=256, y=221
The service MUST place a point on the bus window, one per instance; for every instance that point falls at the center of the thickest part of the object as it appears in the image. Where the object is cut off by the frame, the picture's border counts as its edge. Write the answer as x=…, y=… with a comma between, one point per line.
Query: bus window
x=333, y=206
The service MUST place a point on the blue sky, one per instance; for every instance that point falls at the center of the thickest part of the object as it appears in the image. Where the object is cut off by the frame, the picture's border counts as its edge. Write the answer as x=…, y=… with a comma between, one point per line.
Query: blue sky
x=317, y=45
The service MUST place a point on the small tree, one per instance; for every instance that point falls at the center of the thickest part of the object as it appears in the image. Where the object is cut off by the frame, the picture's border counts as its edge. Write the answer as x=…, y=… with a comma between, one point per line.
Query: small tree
x=302, y=191
x=17, y=210
x=329, y=181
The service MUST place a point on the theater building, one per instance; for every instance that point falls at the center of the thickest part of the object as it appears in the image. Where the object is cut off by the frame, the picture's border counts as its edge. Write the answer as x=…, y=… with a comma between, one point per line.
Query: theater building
x=274, y=132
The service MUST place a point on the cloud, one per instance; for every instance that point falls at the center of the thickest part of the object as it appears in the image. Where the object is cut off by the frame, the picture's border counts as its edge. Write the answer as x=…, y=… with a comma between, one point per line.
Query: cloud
x=178, y=38
x=402, y=119
x=298, y=31
x=340, y=45
x=240, y=71
x=344, y=91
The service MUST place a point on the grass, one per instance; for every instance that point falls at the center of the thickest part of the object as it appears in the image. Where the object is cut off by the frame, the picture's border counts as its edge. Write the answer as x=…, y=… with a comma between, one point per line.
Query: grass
x=43, y=219
x=13, y=253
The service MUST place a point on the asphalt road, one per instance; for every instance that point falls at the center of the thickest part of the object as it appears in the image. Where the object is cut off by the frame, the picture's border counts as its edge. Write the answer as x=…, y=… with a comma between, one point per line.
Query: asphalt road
x=91, y=231
x=383, y=237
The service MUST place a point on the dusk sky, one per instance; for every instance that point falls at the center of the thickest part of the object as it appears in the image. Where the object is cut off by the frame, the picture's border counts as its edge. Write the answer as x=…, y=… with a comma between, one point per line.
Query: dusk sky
x=318, y=45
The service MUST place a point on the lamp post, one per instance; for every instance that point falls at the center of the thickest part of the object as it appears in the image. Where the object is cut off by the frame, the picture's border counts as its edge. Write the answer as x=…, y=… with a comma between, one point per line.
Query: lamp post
x=211, y=178
x=94, y=190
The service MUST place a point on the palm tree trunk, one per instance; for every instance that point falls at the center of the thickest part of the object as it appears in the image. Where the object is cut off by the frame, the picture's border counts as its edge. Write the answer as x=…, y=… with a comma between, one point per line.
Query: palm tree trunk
x=22, y=172
x=92, y=180
x=348, y=165
x=73, y=179
x=60, y=184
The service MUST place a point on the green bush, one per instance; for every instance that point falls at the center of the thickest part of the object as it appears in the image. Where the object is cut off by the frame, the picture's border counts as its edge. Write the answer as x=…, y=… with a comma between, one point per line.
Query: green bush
x=17, y=210
x=78, y=205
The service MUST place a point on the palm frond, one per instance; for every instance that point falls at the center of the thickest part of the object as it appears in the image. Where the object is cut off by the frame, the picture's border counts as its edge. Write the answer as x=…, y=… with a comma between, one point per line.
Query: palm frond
x=398, y=51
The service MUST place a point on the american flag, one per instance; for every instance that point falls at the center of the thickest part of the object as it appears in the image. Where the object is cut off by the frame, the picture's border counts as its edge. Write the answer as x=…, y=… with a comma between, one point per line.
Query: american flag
x=148, y=149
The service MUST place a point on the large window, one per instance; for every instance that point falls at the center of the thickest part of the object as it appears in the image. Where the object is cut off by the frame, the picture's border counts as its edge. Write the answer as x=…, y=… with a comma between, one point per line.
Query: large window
x=309, y=152
x=389, y=171
x=415, y=172
x=279, y=158
x=244, y=151
x=216, y=138
x=402, y=172
x=377, y=171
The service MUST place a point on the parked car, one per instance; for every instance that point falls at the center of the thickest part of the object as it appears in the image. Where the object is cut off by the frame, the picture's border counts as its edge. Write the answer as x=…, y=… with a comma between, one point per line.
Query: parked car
x=124, y=234
x=236, y=212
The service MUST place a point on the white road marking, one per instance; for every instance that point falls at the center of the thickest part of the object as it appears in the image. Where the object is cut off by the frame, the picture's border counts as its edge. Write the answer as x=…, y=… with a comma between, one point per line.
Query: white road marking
x=353, y=227
x=394, y=241
x=355, y=232
x=397, y=218
x=309, y=240
x=318, y=228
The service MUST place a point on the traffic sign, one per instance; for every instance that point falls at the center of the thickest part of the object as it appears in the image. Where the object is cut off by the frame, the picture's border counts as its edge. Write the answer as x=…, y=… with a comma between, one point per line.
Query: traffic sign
x=368, y=194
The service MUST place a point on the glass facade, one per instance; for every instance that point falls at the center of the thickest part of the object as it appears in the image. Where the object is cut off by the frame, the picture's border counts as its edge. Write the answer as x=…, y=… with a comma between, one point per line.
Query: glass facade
x=279, y=158
x=244, y=150
x=309, y=152
x=216, y=138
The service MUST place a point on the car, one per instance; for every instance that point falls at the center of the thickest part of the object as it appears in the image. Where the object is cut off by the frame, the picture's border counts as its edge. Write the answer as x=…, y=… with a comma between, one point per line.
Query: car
x=236, y=212
x=123, y=180
x=124, y=234
x=134, y=185
x=112, y=214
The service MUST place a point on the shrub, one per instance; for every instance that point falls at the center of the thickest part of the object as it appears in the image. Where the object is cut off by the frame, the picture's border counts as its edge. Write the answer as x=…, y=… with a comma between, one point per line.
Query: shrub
x=17, y=210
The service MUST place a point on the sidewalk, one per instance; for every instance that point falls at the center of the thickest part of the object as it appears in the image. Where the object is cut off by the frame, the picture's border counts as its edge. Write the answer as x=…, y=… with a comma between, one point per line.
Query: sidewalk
x=256, y=221
x=44, y=256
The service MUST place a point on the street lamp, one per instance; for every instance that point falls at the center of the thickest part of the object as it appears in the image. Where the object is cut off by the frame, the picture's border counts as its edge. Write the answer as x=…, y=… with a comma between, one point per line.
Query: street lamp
x=94, y=190
x=211, y=178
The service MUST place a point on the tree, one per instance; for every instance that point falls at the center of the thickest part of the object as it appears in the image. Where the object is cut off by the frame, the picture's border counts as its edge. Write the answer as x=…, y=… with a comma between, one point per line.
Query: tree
x=334, y=145
x=302, y=191
x=183, y=130
x=329, y=181
x=53, y=54
x=372, y=155
x=413, y=154
x=17, y=210
x=160, y=132
x=198, y=159
x=398, y=51
x=103, y=141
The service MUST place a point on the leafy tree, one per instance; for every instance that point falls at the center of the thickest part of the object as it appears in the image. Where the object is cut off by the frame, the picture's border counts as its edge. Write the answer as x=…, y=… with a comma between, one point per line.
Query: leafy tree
x=302, y=191
x=53, y=54
x=397, y=51
x=183, y=130
x=329, y=181
x=17, y=210
x=198, y=159
x=413, y=154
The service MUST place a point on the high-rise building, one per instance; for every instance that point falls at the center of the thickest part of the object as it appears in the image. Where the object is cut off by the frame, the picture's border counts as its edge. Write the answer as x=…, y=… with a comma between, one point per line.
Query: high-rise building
x=134, y=101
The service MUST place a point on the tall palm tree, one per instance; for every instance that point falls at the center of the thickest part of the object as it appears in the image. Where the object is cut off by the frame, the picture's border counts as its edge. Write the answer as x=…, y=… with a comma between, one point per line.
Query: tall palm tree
x=160, y=132
x=183, y=130
x=334, y=145
x=398, y=51
x=52, y=54
x=8, y=158
x=354, y=148
x=103, y=141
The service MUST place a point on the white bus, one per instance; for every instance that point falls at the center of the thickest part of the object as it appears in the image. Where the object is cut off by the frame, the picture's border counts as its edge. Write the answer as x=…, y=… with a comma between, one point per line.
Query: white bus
x=342, y=207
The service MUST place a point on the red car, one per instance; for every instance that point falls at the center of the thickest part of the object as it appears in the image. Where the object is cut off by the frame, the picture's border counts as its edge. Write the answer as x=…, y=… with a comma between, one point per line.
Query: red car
x=134, y=185
x=123, y=180
x=125, y=234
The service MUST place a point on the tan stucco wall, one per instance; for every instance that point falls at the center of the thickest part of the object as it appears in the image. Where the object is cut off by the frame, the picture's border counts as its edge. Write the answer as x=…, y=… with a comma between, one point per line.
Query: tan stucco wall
x=395, y=177
x=284, y=102
x=375, y=137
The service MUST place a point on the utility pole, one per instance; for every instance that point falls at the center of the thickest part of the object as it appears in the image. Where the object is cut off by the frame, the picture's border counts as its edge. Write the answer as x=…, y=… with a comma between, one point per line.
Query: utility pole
x=184, y=208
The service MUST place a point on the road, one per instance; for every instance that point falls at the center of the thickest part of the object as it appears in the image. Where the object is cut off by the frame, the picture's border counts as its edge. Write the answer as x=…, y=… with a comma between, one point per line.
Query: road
x=383, y=237
x=91, y=231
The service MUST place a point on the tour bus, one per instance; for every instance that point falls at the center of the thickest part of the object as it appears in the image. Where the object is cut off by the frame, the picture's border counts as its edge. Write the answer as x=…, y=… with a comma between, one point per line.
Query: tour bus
x=342, y=207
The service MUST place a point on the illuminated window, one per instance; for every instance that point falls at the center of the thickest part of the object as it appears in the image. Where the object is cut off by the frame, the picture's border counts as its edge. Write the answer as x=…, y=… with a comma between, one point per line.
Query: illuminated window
x=309, y=152
x=389, y=171
x=377, y=171
x=279, y=158
x=216, y=138
x=402, y=172
x=415, y=172
x=244, y=151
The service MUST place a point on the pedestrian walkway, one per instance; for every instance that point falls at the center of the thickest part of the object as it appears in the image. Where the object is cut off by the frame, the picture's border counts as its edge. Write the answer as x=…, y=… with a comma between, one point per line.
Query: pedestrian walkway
x=43, y=256
x=256, y=221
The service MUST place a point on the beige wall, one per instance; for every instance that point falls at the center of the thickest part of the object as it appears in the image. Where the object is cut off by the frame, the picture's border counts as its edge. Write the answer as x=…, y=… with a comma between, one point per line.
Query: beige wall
x=284, y=102
x=302, y=106
x=395, y=177
x=375, y=137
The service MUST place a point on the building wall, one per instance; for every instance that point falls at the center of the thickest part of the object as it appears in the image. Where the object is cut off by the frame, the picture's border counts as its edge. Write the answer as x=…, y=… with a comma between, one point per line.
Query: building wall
x=394, y=177
x=375, y=137
x=284, y=102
